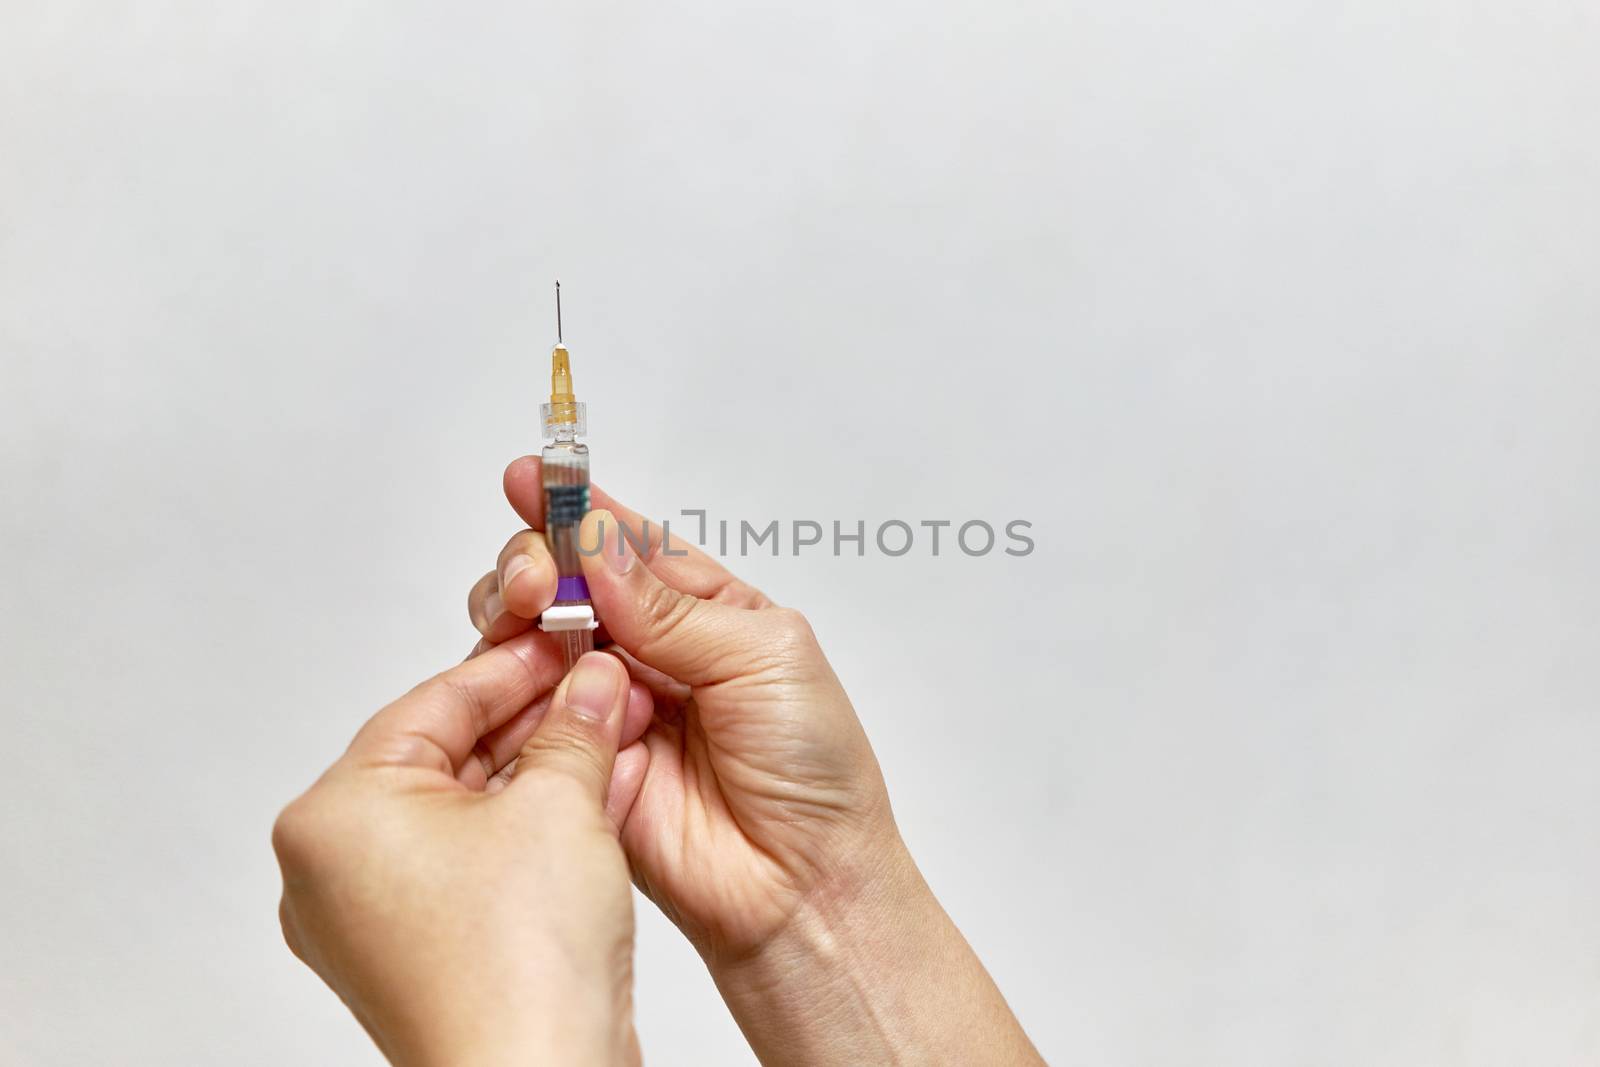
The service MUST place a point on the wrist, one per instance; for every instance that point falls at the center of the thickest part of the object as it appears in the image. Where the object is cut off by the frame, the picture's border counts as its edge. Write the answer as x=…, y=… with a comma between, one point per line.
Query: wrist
x=573, y=1037
x=833, y=985
x=870, y=969
x=540, y=1018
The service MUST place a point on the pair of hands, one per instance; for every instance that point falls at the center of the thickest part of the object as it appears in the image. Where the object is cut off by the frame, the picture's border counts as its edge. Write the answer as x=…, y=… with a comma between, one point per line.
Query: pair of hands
x=460, y=875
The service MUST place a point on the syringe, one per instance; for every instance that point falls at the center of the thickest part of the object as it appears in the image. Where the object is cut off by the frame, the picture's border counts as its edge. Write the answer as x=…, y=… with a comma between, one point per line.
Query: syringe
x=566, y=501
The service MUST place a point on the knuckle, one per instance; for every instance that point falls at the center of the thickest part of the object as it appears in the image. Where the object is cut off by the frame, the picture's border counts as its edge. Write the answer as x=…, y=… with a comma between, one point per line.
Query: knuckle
x=444, y=689
x=294, y=831
x=792, y=647
x=795, y=627
x=449, y=694
x=291, y=935
x=665, y=609
x=565, y=755
x=475, y=597
x=309, y=834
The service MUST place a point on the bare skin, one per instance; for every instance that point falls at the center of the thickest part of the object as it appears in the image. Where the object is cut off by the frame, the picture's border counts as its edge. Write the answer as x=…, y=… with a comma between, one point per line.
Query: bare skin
x=761, y=825
x=459, y=923
x=460, y=876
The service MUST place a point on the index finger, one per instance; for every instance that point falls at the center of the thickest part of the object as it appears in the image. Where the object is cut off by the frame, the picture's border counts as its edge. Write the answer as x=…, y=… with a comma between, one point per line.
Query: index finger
x=693, y=572
x=436, y=725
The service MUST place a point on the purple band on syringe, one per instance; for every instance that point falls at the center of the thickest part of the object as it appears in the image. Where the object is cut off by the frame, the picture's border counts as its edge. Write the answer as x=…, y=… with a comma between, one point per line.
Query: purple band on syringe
x=572, y=589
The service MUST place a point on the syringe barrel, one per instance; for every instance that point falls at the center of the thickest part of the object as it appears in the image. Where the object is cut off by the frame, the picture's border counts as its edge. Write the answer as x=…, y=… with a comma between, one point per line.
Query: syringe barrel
x=566, y=500
x=574, y=644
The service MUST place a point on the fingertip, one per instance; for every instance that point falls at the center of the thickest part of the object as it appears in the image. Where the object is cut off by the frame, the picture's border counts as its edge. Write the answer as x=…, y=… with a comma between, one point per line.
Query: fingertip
x=524, y=488
x=604, y=551
x=495, y=618
x=627, y=779
x=597, y=688
x=521, y=469
x=530, y=587
x=476, y=596
x=600, y=499
x=596, y=526
x=579, y=732
x=641, y=709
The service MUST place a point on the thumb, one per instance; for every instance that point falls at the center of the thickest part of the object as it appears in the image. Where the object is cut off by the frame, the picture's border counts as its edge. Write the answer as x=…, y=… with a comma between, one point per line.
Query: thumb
x=578, y=736
x=696, y=641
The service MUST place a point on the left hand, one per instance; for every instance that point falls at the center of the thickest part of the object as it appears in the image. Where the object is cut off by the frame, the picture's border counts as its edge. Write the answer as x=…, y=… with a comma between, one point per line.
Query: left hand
x=463, y=914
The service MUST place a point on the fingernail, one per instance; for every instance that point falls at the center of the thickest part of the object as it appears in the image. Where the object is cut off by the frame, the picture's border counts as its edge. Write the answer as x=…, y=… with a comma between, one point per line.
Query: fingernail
x=592, y=687
x=492, y=608
x=619, y=556
x=514, y=566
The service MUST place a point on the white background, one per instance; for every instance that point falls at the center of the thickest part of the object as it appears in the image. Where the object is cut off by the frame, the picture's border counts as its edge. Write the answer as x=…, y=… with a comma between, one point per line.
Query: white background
x=1278, y=321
